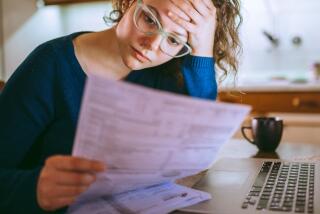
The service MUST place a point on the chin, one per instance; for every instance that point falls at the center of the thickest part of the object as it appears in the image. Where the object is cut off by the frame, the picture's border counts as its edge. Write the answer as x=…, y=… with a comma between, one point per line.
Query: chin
x=134, y=64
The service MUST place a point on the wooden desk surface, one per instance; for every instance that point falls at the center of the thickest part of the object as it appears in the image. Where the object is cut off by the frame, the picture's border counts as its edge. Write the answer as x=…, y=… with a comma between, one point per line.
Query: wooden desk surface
x=286, y=150
x=242, y=149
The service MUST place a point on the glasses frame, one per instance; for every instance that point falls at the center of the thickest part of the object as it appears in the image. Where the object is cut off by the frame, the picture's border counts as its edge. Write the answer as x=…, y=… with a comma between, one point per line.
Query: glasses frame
x=161, y=31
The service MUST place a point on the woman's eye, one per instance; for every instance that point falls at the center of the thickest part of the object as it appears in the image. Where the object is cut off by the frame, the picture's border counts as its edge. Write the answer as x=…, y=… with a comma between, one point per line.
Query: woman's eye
x=148, y=19
x=173, y=41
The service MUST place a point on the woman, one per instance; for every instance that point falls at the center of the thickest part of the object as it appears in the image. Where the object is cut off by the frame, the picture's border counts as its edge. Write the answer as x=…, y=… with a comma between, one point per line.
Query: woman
x=164, y=44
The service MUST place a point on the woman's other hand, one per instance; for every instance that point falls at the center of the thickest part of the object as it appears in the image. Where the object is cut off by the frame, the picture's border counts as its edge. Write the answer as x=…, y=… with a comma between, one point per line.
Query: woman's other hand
x=63, y=178
x=201, y=24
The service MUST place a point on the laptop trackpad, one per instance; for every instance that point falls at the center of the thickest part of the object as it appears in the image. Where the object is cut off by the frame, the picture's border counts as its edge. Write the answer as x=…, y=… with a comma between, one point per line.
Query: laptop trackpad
x=227, y=179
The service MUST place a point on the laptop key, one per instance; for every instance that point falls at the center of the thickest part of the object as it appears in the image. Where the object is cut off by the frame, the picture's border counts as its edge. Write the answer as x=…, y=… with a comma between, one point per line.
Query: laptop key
x=262, y=204
x=244, y=205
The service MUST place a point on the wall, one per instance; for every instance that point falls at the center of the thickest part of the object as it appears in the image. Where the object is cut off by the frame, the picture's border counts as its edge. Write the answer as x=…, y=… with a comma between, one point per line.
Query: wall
x=25, y=26
x=285, y=19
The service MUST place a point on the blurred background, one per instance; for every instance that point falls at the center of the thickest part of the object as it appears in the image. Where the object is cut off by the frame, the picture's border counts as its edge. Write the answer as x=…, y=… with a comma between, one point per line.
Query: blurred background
x=280, y=66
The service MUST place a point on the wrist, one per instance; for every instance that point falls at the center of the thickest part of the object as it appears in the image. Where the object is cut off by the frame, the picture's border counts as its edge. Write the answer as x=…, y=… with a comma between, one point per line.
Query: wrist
x=202, y=53
x=205, y=51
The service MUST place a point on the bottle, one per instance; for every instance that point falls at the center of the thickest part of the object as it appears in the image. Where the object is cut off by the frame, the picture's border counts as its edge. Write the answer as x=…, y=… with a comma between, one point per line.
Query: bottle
x=316, y=71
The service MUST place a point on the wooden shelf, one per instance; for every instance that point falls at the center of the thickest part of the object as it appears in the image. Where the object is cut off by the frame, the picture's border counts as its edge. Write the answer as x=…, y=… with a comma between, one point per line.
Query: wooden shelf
x=51, y=2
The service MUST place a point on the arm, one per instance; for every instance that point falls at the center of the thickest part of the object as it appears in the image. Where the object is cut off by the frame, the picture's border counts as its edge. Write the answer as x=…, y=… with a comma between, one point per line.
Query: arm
x=24, y=113
x=200, y=21
x=35, y=110
x=199, y=77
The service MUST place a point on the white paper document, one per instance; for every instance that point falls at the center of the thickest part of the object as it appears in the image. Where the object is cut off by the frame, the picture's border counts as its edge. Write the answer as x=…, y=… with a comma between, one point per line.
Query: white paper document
x=148, y=137
x=158, y=199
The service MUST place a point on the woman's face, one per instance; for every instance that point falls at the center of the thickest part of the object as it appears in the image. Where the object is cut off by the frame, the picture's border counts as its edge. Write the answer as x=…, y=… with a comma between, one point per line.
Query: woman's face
x=139, y=50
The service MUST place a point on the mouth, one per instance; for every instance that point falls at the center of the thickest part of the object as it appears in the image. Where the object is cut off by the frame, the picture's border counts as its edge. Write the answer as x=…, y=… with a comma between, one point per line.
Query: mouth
x=140, y=56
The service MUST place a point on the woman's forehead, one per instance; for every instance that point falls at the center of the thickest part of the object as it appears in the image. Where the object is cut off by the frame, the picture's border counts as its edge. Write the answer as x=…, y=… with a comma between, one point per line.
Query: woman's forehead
x=162, y=7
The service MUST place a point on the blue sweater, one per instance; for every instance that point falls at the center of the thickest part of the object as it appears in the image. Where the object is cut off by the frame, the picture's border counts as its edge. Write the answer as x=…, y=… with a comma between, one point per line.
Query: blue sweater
x=39, y=108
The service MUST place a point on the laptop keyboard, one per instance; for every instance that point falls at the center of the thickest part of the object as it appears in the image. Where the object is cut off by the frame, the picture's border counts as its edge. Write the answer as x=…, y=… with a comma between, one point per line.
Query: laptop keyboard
x=283, y=186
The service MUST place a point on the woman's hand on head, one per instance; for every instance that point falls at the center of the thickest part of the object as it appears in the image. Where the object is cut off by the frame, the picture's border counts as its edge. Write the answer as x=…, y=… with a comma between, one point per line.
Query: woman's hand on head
x=63, y=178
x=200, y=24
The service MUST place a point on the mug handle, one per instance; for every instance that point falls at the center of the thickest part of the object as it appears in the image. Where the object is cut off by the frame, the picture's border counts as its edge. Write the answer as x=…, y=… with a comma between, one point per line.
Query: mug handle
x=243, y=128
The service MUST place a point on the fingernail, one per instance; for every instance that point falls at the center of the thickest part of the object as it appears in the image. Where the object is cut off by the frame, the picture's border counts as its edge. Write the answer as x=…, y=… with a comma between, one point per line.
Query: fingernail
x=170, y=13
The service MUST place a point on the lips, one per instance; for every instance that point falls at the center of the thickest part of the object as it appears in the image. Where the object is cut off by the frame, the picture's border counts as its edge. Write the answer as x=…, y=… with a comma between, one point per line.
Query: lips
x=140, y=56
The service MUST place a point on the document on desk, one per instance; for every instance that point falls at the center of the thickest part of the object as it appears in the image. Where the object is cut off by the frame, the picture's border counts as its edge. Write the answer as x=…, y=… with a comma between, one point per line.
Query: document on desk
x=158, y=199
x=148, y=137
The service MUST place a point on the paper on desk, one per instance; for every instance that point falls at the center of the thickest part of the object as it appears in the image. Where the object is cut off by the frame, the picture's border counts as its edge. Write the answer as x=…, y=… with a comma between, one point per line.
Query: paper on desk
x=147, y=136
x=157, y=199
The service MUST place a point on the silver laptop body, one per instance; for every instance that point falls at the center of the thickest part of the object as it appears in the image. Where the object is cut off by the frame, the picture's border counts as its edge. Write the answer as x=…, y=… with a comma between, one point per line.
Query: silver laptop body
x=242, y=186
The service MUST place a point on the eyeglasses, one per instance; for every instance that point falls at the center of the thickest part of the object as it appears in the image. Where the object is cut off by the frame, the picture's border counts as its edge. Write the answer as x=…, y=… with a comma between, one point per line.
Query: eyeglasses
x=147, y=23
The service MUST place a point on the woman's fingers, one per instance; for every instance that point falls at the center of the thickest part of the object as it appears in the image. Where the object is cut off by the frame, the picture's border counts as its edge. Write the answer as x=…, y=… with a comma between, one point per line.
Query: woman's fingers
x=70, y=191
x=73, y=178
x=209, y=4
x=185, y=24
x=179, y=12
x=201, y=7
x=63, y=178
x=201, y=28
x=58, y=191
x=64, y=201
x=75, y=164
x=187, y=8
x=53, y=204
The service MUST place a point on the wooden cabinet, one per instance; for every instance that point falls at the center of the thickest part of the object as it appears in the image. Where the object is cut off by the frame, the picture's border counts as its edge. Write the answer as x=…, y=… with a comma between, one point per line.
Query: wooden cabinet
x=50, y=2
x=288, y=102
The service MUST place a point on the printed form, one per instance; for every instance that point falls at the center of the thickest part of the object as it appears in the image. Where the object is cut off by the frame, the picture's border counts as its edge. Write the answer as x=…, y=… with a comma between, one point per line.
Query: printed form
x=149, y=137
x=158, y=199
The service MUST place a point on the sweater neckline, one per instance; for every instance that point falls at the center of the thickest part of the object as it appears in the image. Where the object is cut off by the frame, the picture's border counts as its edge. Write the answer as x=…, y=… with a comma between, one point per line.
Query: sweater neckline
x=71, y=53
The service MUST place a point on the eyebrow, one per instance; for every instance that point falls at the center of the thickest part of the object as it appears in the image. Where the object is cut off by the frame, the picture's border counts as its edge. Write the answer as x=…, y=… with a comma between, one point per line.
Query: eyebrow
x=154, y=10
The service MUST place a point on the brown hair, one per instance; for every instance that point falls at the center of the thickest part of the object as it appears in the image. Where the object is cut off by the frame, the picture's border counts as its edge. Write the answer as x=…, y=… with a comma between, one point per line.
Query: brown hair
x=227, y=45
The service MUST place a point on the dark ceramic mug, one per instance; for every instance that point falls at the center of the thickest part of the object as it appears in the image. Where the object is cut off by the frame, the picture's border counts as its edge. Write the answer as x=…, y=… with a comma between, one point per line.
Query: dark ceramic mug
x=266, y=132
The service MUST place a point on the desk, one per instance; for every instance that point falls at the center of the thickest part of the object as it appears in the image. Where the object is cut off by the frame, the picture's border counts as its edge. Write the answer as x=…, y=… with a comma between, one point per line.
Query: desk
x=286, y=150
x=243, y=149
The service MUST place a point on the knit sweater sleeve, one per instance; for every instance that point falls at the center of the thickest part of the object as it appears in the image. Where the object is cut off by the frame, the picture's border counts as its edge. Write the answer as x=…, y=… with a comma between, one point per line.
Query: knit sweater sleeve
x=25, y=110
x=199, y=77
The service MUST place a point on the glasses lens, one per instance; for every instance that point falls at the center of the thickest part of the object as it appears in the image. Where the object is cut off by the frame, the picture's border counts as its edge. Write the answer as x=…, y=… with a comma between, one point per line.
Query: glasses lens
x=174, y=46
x=146, y=21
x=171, y=44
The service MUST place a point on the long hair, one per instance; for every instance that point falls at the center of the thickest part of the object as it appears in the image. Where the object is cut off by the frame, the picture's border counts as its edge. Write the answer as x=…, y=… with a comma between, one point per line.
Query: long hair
x=227, y=44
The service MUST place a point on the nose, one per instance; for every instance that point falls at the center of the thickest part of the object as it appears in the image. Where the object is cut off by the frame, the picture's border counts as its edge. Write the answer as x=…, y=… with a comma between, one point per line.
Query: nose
x=152, y=42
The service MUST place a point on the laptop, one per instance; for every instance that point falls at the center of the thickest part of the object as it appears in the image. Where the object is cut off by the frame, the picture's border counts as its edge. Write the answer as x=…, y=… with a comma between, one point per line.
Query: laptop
x=260, y=186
